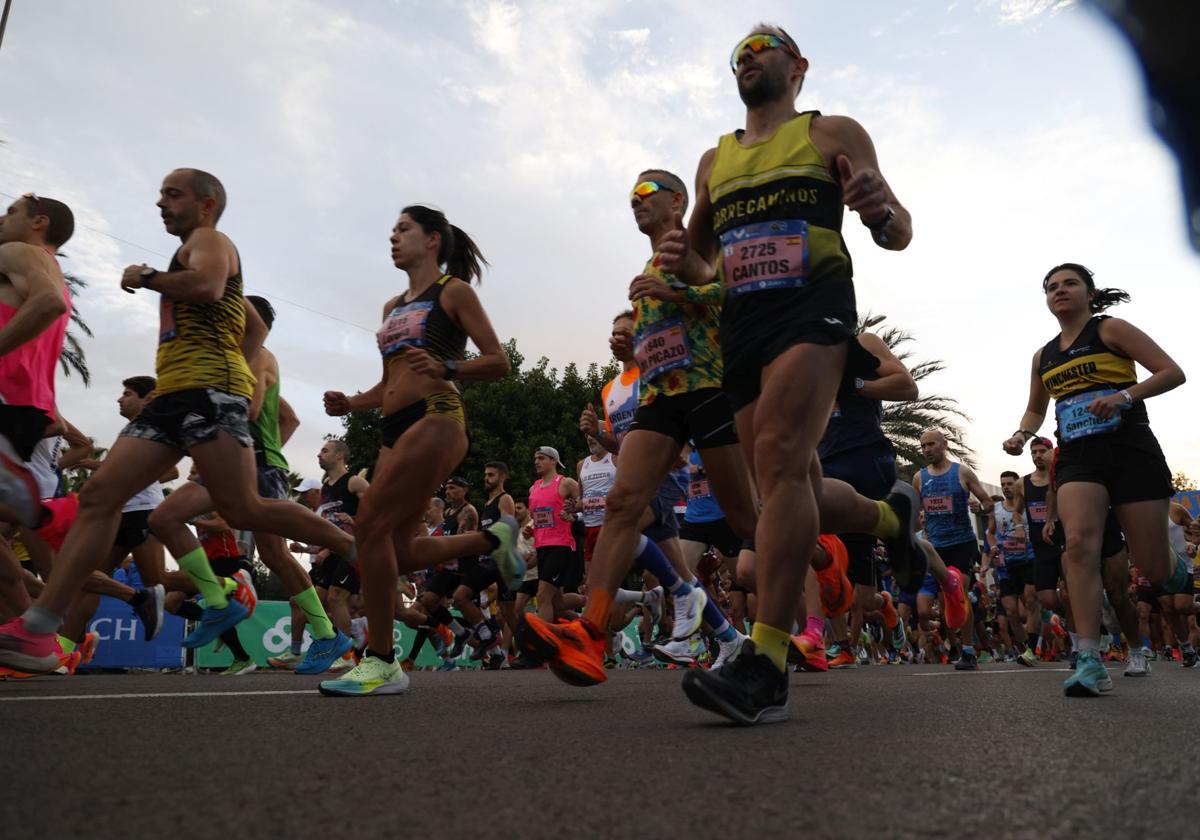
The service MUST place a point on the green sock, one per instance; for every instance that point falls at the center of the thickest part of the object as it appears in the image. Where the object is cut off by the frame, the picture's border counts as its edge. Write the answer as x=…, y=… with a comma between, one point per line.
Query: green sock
x=229, y=584
x=66, y=644
x=195, y=565
x=318, y=621
x=888, y=524
x=772, y=643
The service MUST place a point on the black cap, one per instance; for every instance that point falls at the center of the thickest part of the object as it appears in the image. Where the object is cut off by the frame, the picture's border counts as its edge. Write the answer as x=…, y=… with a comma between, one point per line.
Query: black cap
x=459, y=481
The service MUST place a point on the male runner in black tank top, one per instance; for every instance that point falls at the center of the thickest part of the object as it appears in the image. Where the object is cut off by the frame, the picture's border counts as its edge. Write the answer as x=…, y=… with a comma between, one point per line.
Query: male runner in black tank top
x=485, y=632
x=340, y=492
x=461, y=518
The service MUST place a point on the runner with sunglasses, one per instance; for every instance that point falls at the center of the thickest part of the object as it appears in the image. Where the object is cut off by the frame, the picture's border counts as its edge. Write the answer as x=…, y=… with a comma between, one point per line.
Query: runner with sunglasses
x=423, y=342
x=769, y=206
x=1107, y=453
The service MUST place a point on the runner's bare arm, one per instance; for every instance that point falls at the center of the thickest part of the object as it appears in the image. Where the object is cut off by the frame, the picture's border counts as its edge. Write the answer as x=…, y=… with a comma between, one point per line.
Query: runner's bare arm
x=255, y=334
x=358, y=483
x=463, y=306
x=79, y=445
x=507, y=506
x=1035, y=410
x=42, y=300
x=1125, y=338
x=289, y=421
x=972, y=485
x=895, y=383
x=211, y=261
x=851, y=156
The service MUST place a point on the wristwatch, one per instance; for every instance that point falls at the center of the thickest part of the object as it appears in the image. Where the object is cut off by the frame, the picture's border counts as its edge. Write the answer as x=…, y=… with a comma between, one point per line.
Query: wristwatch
x=148, y=275
x=451, y=367
x=859, y=383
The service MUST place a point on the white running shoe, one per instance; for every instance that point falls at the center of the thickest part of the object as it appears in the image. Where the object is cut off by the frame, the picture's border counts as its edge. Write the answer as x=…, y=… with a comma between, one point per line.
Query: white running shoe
x=1137, y=666
x=689, y=613
x=342, y=663
x=729, y=650
x=680, y=651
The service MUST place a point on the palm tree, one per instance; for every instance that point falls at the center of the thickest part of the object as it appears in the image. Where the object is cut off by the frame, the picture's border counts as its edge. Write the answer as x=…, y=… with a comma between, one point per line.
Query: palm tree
x=905, y=422
x=73, y=358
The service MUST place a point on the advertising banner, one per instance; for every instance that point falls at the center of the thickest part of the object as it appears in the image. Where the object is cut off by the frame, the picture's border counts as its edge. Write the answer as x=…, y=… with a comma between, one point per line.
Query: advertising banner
x=122, y=639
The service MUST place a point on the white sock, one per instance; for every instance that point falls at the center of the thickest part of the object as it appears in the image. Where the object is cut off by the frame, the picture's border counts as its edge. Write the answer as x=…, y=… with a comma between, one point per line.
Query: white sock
x=629, y=596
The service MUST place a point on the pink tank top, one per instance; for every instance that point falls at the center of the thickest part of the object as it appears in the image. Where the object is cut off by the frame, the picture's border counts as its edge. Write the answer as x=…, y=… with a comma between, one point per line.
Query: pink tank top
x=545, y=505
x=27, y=373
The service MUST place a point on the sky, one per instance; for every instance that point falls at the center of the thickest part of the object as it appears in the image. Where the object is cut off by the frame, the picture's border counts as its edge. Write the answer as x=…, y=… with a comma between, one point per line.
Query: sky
x=1014, y=131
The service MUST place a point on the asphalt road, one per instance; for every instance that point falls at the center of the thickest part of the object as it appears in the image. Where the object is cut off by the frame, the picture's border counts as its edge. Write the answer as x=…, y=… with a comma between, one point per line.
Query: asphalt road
x=899, y=751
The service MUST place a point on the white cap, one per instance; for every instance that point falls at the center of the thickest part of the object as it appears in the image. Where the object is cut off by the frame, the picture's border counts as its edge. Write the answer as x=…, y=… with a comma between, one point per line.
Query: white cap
x=307, y=484
x=549, y=452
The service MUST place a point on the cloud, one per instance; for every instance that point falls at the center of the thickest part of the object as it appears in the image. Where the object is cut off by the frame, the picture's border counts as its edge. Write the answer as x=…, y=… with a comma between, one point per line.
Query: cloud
x=1022, y=11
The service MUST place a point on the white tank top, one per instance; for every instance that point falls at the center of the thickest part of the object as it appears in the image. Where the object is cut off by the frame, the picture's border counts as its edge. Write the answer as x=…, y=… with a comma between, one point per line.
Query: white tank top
x=1006, y=532
x=43, y=463
x=596, y=479
x=148, y=499
x=1177, y=538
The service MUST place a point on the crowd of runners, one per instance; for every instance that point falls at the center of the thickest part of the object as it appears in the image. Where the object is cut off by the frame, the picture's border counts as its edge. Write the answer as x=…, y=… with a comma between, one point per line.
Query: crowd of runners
x=740, y=498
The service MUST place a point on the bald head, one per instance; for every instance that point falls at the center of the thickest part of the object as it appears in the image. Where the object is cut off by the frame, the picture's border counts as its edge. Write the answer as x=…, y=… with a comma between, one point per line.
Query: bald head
x=934, y=446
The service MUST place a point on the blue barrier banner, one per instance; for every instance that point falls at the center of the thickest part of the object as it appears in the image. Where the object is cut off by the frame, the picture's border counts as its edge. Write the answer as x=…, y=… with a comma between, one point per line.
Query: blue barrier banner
x=122, y=639
x=1191, y=502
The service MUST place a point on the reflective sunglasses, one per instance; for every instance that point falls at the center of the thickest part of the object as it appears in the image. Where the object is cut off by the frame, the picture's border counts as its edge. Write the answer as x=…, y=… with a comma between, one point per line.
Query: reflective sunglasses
x=648, y=188
x=756, y=44
x=37, y=203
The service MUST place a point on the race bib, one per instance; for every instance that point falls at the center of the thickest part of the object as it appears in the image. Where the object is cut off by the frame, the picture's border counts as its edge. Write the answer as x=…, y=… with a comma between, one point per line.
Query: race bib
x=593, y=504
x=937, y=505
x=1013, y=546
x=765, y=255
x=1037, y=512
x=543, y=517
x=662, y=346
x=167, y=328
x=1075, y=421
x=698, y=489
x=404, y=327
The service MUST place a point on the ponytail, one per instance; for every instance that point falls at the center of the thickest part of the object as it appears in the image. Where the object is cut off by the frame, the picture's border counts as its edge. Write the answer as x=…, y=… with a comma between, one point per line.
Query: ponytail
x=1099, y=299
x=457, y=252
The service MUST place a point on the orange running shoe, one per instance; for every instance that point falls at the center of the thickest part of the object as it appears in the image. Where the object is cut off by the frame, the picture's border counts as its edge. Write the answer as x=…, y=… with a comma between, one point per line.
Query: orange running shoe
x=888, y=611
x=87, y=647
x=1057, y=627
x=811, y=652
x=574, y=650
x=956, y=601
x=844, y=660
x=446, y=634
x=245, y=594
x=837, y=594
x=68, y=662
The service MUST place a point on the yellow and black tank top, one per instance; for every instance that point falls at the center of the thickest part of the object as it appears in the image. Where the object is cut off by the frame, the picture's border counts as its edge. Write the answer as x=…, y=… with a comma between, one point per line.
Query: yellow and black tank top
x=422, y=322
x=1077, y=375
x=200, y=344
x=777, y=213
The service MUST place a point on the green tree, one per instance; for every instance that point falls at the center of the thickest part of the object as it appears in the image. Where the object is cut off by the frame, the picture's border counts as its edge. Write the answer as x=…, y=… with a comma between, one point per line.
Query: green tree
x=73, y=357
x=905, y=422
x=1182, y=483
x=76, y=477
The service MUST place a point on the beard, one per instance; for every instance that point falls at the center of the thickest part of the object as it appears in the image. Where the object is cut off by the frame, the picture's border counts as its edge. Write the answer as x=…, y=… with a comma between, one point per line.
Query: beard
x=768, y=87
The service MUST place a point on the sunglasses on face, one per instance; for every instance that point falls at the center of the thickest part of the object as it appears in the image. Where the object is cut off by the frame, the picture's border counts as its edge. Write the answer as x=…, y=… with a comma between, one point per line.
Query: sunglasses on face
x=648, y=188
x=758, y=43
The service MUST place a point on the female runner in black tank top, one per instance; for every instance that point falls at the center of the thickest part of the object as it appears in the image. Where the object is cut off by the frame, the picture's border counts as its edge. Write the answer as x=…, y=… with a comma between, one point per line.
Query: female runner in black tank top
x=423, y=338
x=1107, y=454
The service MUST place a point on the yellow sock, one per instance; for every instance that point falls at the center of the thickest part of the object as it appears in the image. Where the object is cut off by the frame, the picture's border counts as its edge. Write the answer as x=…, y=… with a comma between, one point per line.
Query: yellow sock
x=772, y=643
x=230, y=585
x=888, y=524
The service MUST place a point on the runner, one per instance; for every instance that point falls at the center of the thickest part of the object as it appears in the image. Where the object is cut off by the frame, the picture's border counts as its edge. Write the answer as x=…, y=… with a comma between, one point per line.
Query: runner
x=423, y=342
x=35, y=306
x=559, y=569
x=1052, y=593
x=484, y=632
x=1010, y=541
x=1107, y=453
x=341, y=491
x=597, y=472
x=204, y=388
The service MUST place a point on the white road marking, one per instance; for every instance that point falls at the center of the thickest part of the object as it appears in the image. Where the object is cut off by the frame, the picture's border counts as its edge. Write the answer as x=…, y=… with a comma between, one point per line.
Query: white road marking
x=992, y=671
x=312, y=691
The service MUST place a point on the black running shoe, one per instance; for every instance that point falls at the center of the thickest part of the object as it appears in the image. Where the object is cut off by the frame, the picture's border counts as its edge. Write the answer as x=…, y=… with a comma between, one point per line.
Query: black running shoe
x=1189, y=657
x=460, y=644
x=148, y=606
x=967, y=662
x=905, y=555
x=749, y=689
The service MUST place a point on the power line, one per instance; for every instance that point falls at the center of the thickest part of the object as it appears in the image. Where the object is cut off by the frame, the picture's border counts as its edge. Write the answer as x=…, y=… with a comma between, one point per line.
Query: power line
x=248, y=288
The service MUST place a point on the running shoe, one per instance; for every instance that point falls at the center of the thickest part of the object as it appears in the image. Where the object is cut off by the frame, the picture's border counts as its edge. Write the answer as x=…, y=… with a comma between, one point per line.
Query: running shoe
x=482, y=647
x=285, y=661
x=447, y=665
x=496, y=661
x=891, y=618
x=150, y=609
x=443, y=632
x=812, y=652
x=574, y=650
x=245, y=594
x=213, y=622
x=239, y=667
x=509, y=562
x=639, y=657
x=837, y=593
x=967, y=661
x=371, y=676
x=1189, y=657
x=1027, y=658
x=1137, y=666
x=986, y=658
x=1058, y=626
x=844, y=660
x=654, y=602
x=458, y=645
x=344, y=662
x=57, y=518
x=31, y=653
x=19, y=497
x=524, y=662
x=906, y=555
x=1090, y=679
x=954, y=599
x=747, y=690
x=439, y=645
x=87, y=647
x=685, y=652
x=322, y=653
x=689, y=613
x=729, y=650
x=67, y=663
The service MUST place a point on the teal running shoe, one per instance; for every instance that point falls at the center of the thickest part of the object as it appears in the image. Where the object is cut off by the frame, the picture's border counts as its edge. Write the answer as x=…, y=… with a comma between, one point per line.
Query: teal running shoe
x=322, y=653
x=1090, y=679
x=214, y=622
x=371, y=676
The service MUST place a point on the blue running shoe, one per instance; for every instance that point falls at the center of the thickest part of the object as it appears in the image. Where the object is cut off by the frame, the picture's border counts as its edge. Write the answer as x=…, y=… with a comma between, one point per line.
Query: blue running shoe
x=214, y=622
x=1090, y=679
x=448, y=665
x=322, y=653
